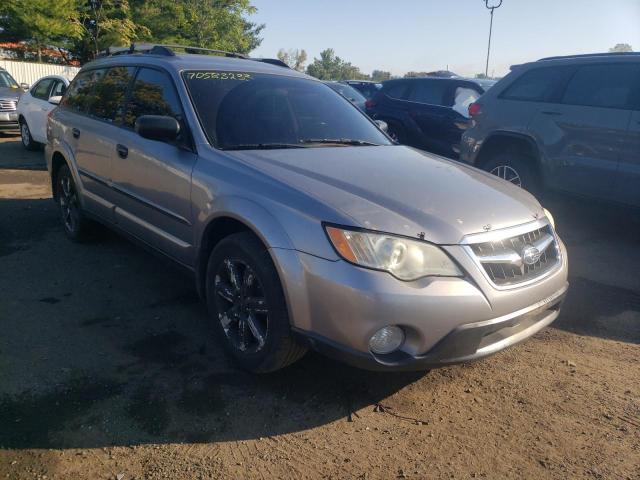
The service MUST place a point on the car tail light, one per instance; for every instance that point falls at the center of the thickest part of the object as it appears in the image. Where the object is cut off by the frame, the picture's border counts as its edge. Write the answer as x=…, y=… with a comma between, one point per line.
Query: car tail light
x=370, y=103
x=474, y=109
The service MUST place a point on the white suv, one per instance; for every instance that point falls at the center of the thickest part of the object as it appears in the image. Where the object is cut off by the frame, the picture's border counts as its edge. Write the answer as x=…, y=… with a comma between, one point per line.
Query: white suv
x=35, y=105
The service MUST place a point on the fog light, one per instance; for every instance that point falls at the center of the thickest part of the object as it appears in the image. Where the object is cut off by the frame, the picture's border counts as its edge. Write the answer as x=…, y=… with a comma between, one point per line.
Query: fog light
x=386, y=340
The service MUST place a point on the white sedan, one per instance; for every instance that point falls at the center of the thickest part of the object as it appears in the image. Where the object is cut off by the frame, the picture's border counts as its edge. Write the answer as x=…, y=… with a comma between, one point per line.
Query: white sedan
x=35, y=105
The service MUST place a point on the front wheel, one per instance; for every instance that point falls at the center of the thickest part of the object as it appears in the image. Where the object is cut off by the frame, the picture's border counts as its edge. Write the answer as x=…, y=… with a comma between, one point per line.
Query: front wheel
x=247, y=305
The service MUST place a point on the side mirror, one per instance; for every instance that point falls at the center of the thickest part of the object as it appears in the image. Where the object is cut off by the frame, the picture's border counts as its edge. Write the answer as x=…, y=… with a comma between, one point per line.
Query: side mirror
x=24, y=86
x=55, y=100
x=382, y=125
x=157, y=127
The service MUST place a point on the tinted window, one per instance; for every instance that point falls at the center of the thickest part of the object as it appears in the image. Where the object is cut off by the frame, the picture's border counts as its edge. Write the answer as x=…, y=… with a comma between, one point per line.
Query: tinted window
x=58, y=89
x=603, y=86
x=539, y=85
x=396, y=89
x=110, y=94
x=81, y=93
x=250, y=110
x=431, y=92
x=153, y=94
x=41, y=90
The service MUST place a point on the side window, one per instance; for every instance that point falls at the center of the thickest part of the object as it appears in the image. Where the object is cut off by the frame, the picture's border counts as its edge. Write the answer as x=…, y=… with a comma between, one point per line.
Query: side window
x=539, y=85
x=153, y=93
x=58, y=89
x=396, y=90
x=41, y=90
x=431, y=92
x=606, y=85
x=81, y=93
x=110, y=94
x=463, y=98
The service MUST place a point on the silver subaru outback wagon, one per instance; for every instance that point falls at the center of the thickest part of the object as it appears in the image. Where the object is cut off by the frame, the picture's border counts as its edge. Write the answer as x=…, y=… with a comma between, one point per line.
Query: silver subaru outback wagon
x=305, y=226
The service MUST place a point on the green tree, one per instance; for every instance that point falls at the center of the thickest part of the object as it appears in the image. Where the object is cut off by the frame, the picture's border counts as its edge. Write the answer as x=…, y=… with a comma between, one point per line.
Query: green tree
x=294, y=58
x=331, y=67
x=41, y=22
x=218, y=24
x=621, y=47
x=380, y=75
x=105, y=23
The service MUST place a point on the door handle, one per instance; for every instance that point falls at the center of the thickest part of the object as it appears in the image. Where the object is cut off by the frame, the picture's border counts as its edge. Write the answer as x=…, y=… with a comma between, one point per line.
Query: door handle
x=123, y=151
x=75, y=132
x=552, y=113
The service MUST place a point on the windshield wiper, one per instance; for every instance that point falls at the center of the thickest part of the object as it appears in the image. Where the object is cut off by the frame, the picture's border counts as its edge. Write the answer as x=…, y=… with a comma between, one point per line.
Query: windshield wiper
x=263, y=146
x=340, y=141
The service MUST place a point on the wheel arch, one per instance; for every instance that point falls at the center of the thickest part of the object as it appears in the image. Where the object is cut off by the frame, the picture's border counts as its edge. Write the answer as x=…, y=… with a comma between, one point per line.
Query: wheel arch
x=237, y=215
x=509, y=141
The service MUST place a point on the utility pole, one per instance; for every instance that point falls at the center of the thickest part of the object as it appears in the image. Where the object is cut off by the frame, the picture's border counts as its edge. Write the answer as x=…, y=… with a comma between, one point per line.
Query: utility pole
x=491, y=8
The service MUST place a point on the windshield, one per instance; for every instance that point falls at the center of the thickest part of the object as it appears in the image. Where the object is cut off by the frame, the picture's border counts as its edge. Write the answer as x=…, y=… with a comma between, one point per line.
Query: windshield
x=347, y=91
x=7, y=80
x=250, y=110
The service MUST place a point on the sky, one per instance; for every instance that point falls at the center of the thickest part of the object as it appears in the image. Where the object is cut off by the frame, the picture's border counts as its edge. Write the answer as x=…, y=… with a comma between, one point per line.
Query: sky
x=425, y=35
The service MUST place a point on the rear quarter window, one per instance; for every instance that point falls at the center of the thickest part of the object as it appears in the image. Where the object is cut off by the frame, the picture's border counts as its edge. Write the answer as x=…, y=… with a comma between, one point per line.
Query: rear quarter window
x=396, y=90
x=542, y=84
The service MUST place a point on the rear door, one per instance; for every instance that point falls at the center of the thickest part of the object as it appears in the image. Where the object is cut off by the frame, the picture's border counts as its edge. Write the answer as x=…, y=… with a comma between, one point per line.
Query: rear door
x=585, y=131
x=152, y=179
x=627, y=184
x=429, y=103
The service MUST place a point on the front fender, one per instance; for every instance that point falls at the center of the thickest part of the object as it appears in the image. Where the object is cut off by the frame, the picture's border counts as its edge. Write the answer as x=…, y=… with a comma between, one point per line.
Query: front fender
x=253, y=215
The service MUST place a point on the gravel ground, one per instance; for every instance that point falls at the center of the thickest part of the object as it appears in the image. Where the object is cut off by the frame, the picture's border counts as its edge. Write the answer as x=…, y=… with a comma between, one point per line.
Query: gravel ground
x=107, y=372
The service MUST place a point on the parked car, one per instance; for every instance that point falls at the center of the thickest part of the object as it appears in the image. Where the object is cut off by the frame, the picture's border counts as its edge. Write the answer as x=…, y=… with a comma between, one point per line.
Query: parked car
x=10, y=93
x=365, y=87
x=35, y=105
x=349, y=93
x=428, y=113
x=303, y=224
x=566, y=123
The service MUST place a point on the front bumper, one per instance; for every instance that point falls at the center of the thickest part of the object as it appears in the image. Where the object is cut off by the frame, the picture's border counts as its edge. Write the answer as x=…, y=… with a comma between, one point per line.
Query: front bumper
x=465, y=343
x=9, y=121
x=336, y=307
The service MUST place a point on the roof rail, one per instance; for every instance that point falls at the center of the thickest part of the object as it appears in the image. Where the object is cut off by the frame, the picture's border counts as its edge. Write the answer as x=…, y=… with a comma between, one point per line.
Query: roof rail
x=168, y=51
x=586, y=55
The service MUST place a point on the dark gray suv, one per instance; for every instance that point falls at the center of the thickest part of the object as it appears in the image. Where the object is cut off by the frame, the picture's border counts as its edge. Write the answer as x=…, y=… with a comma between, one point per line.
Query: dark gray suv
x=565, y=123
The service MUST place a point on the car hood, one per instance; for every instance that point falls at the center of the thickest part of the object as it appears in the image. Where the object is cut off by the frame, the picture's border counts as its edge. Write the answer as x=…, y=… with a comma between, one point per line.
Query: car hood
x=12, y=93
x=400, y=190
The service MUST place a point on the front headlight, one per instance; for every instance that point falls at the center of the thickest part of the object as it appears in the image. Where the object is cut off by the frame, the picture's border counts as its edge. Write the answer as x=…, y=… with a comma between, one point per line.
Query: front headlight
x=552, y=221
x=403, y=258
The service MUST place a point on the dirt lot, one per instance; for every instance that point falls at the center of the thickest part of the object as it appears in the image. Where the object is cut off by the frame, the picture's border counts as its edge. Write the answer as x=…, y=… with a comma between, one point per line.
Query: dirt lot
x=106, y=372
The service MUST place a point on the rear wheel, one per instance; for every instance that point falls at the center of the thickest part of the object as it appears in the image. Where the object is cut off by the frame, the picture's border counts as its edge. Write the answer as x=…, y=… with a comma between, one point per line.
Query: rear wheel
x=247, y=305
x=516, y=168
x=76, y=226
x=25, y=135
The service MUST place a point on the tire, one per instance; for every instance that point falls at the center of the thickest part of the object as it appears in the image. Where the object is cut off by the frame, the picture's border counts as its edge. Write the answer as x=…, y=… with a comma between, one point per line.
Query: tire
x=76, y=226
x=247, y=305
x=516, y=168
x=27, y=139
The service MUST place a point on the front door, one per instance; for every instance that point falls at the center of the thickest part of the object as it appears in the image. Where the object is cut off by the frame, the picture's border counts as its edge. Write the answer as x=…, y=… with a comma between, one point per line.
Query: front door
x=152, y=179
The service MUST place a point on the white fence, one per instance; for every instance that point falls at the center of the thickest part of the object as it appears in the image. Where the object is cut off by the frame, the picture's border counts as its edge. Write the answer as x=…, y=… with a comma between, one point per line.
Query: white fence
x=29, y=73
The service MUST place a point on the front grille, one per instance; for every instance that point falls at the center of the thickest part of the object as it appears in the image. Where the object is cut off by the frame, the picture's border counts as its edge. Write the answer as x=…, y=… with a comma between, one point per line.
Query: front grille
x=518, y=258
x=8, y=105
